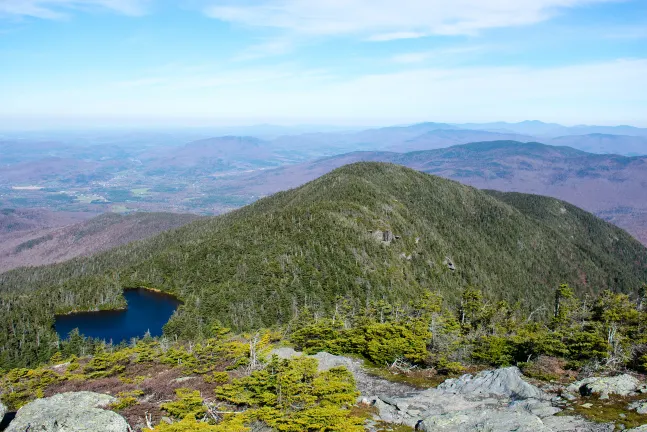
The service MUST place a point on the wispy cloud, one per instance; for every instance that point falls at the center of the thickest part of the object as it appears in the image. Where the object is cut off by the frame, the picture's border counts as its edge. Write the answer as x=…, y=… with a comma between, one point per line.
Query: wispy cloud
x=382, y=20
x=56, y=9
x=202, y=78
x=268, y=48
x=438, y=54
x=384, y=37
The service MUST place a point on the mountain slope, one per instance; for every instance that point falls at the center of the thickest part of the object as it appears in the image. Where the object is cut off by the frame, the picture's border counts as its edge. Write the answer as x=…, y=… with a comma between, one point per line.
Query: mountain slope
x=605, y=143
x=313, y=245
x=52, y=245
x=611, y=186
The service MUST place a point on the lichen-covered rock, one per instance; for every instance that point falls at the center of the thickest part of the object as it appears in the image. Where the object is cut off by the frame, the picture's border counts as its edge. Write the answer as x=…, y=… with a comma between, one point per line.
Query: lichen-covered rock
x=622, y=385
x=505, y=382
x=285, y=353
x=411, y=409
x=3, y=411
x=69, y=412
x=483, y=420
x=642, y=428
x=639, y=406
x=575, y=424
x=540, y=408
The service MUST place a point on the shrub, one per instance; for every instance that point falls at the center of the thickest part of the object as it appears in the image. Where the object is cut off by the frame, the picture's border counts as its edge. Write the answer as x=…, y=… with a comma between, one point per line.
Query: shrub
x=188, y=405
x=292, y=396
x=217, y=378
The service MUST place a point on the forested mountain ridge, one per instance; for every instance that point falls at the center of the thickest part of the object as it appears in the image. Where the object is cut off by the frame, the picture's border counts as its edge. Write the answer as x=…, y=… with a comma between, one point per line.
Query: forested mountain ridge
x=610, y=186
x=325, y=241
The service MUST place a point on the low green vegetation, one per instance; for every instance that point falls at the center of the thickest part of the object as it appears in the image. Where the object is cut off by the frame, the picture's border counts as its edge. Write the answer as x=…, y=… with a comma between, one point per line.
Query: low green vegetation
x=235, y=383
x=287, y=395
x=612, y=410
x=605, y=332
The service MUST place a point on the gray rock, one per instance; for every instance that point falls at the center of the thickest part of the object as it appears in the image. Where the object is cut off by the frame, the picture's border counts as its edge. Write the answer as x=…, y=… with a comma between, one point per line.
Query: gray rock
x=69, y=412
x=449, y=263
x=574, y=424
x=540, y=408
x=411, y=409
x=3, y=411
x=285, y=353
x=569, y=396
x=642, y=428
x=506, y=382
x=622, y=385
x=639, y=406
x=483, y=420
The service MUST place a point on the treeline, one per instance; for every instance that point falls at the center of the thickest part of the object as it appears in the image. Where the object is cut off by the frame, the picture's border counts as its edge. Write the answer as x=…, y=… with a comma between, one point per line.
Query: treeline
x=608, y=331
x=605, y=332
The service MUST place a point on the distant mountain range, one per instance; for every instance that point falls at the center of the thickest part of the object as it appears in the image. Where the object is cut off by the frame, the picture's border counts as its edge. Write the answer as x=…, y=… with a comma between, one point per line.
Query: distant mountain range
x=612, y=186
x=186, y=172
x=541, y=129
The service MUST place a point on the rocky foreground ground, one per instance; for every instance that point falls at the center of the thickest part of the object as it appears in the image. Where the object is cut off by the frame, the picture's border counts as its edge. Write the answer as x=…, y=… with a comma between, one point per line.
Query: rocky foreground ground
x=499, y=400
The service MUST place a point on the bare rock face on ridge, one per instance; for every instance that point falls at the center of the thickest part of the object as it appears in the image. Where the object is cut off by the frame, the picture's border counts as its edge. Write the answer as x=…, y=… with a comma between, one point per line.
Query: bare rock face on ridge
x=69, y=412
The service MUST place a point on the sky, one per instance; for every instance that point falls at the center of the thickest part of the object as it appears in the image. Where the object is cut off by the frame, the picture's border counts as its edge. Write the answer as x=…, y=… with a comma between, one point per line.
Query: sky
x=347, y=62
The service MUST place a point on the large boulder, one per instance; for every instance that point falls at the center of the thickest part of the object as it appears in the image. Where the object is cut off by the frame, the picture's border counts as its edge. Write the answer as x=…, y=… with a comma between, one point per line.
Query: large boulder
x=505, y=382
x=69, y=412
x=622, y=385
x=3, y=411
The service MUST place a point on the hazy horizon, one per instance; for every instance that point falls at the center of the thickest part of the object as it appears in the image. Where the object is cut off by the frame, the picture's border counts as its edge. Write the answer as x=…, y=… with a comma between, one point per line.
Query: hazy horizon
x=357, y=62
x=30, y=125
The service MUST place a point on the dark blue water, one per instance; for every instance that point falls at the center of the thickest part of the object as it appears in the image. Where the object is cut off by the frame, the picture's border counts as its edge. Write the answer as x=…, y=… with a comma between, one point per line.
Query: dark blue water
x=147, y=311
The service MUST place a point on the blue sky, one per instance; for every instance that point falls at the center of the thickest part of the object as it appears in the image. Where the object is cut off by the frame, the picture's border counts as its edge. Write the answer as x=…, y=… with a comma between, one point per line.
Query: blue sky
x=323, y=61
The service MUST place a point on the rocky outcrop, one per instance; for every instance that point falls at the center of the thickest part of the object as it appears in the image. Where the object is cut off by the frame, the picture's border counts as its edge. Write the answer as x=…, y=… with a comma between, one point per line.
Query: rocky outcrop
x=69, y=412
x=495, y=401
x=449, y=263
x=386, y=237
x=3, y=411
x=622, y=385
x=485, y=420
x=506, y=382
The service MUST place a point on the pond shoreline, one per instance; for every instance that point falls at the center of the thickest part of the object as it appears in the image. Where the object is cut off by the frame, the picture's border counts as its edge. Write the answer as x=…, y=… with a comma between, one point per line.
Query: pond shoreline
x=146, y=312
x=123, y=308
